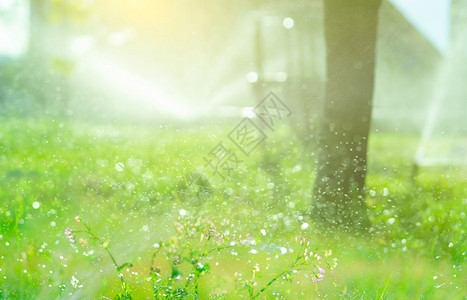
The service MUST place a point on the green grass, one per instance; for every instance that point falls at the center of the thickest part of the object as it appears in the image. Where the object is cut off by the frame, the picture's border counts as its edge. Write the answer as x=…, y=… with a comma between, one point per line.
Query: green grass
x=416, y=250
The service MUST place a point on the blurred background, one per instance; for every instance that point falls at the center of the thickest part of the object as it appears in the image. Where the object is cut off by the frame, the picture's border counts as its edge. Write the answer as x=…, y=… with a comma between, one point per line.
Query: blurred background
x=157, y=61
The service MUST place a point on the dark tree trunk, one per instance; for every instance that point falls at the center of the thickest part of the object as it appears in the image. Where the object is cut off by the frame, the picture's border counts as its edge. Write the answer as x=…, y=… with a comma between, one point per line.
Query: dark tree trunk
x=350, y=32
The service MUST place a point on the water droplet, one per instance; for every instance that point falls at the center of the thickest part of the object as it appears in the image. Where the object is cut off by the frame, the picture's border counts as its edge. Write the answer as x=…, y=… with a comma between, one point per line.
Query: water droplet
x=296, y=169
x=391, y=221
x=252, y=77
x=182, y=212
x=304, y=226
x=263, y=232
x=288, y=23
x=36, y=205
x=385, y=192
x=119, y=167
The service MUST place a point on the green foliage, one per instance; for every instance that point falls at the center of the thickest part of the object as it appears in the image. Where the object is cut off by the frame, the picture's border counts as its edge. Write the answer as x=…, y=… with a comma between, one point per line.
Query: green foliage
x=62, y=66
x=197, y=241
x=126, y=181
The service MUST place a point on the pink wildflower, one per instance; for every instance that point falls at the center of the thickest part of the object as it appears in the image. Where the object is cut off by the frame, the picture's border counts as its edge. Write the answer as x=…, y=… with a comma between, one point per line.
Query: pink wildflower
x=68, y=235
x=318, y=278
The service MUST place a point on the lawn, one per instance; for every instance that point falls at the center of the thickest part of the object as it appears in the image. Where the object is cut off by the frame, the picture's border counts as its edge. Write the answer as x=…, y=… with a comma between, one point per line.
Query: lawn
x=131, y=184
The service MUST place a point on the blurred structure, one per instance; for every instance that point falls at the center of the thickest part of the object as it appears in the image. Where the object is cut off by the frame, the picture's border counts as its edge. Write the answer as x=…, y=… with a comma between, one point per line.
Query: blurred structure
x=289, y=59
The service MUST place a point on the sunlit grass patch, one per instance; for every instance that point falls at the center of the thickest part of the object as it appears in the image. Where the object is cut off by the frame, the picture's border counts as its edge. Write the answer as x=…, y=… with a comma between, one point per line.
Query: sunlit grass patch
x=125, y=180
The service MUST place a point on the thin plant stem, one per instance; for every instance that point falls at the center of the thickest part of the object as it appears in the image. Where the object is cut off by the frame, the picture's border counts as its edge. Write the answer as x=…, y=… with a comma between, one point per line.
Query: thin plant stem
x=106, y=248
x=291, y=267
x=385, y=287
